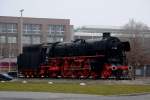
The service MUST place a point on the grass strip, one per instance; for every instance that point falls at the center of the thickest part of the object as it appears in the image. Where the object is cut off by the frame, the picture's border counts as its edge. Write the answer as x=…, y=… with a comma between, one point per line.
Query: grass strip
x=98, y=89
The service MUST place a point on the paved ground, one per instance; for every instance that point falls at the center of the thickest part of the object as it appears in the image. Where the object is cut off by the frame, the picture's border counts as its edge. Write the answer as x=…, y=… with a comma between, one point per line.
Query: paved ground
x=61, y=96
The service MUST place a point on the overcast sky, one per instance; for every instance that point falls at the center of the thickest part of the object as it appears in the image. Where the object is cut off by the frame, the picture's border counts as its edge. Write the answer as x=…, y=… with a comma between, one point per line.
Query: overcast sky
x=81, y=12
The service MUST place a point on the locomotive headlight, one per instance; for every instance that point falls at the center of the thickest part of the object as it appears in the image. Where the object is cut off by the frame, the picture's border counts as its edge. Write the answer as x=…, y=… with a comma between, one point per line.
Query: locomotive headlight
x=114, y=67
x=129, y=67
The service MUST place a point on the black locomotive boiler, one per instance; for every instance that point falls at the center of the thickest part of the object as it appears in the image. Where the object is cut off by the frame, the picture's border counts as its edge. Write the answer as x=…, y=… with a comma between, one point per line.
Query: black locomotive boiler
x=103, y=58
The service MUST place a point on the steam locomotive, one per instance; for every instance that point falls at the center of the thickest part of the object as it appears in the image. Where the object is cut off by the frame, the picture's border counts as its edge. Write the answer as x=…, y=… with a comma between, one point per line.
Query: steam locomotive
x=103, y=58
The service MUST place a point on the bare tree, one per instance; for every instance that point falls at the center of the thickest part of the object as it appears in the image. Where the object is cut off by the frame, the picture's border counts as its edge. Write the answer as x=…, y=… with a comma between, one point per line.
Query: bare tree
x=135, y=30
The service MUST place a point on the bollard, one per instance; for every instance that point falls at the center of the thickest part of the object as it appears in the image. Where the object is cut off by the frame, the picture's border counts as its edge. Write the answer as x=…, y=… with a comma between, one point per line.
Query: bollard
x=50, y=82
x=24, y=82
x=82, y=84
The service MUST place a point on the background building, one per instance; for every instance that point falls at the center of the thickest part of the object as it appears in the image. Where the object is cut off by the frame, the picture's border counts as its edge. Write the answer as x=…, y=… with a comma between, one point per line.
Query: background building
x=35, y=31
x=92, y=32
x=139, y=41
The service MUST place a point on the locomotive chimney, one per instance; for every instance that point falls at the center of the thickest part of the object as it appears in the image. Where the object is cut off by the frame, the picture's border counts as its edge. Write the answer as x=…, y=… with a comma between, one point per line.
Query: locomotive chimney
x=106, y=35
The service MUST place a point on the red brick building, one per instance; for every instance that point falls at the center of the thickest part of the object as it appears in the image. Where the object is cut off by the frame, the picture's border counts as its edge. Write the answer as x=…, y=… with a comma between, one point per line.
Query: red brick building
x=35, y=31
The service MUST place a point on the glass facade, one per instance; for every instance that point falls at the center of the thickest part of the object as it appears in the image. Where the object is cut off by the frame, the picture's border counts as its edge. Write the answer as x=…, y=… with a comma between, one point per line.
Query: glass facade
x=26, y=40
x=12, y=40
x=56, y=39
x=56, y=29
x=2, y=39
x=2, y=43
x=55, y=33
x=36, y=40
x=31, y=28
x=8, y=27
x=60, y=39
x=49, y=39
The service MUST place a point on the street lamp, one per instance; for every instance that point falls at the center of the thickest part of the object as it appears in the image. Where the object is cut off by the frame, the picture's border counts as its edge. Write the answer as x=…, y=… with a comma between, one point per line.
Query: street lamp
x=21, y=32
x=21, y=11
x=1, y=47
x=20, y=45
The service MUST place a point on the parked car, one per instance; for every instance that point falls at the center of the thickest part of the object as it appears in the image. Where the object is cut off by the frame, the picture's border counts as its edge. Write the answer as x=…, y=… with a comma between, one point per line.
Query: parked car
x=5, y=77
x=13, y=74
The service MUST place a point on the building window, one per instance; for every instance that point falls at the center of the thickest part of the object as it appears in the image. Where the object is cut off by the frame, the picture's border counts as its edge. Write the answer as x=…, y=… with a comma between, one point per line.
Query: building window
x=50, y=39
x=32, y=28
x=2, y=39
x=8, y=27
x=35, y=40
x=59, y=39
x=56, y=29
x=12, y=40
x=27, y=28
x=56, y=39
x=26, y=40
x=3, y=27
x=36, y=28
x=11, y=28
